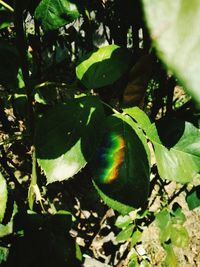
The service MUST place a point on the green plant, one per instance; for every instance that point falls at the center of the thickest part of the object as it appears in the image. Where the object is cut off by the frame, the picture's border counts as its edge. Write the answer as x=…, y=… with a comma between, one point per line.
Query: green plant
x=81, y=111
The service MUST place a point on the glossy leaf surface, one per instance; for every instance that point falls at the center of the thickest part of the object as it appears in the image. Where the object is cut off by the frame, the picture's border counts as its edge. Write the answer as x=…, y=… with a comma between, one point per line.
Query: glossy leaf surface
x=103, y=67
x=121, y=167
x=170, y=23
x=67, y=136
x=56, y=13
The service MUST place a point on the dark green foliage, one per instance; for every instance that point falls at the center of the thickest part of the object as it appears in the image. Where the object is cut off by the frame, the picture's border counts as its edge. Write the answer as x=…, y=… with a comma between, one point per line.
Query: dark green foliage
x=68, y=68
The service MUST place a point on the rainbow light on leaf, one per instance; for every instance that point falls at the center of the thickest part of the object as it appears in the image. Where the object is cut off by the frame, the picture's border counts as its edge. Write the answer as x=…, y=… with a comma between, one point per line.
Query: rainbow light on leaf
x=111, y=156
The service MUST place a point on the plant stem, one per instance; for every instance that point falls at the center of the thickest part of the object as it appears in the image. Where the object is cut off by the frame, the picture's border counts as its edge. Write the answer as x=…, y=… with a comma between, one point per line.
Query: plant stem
x=6, y=6
x=22, y=48
x=107, y=105
x=34, y=167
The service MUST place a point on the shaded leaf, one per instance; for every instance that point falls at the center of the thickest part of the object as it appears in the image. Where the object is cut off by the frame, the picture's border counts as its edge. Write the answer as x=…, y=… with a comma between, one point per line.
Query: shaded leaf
x=56, y=13
x=9, y=69
x=176, y=149
x=3, y=196
x=4, y=252
x=121, y=167
x=193, y=198
x=170, y=23
x=139, y=76
x=67, y=135
x=103, y=67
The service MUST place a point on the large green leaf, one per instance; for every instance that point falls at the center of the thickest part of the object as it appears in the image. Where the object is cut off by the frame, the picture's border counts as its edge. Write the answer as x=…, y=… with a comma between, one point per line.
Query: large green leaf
x=67, y=136
x=3, y=196
x=121, y=167
x=103, y=67
x=54, y=14
x=170, y=23
x=177, y=152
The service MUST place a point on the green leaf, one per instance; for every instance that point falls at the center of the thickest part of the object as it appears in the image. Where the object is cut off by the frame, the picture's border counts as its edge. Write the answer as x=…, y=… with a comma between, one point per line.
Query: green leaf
x=121, y=167
x=170, y=23
x=3, y=196
x=46, y=93
x=163, y=220
x=125, y=234
x=136, y=237
x=177, y=152
x=179, y=236
x=123, y=221
x=4, y=252
x=170, y=259
x=193, y=198
x=103, y=67
x=178, y=215
x=67, y=136
x=79, y=255
x=139, y=115
x=134, y=261
x=54, y=14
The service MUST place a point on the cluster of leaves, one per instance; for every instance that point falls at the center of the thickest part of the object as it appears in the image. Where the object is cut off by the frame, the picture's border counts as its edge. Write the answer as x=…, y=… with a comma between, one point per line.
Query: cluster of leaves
x=87, y=115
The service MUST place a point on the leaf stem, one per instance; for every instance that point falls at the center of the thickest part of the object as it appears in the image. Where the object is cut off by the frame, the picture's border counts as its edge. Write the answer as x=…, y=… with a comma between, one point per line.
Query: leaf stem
x=6, y=6
x=22, y=48
x=113, y=109
x=34, y=167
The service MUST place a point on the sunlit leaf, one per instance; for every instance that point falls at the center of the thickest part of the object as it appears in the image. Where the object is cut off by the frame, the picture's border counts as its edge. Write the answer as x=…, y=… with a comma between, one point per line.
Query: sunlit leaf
x=170, y=259
x=66, y=137
x=103, y=67
x=135, y=237
x=125, y=234
x=139, y=115
x=3, y=196
x=123, y=221
x=163, y=220
x=177, y=152
x=170, y=23
x=179, y=236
